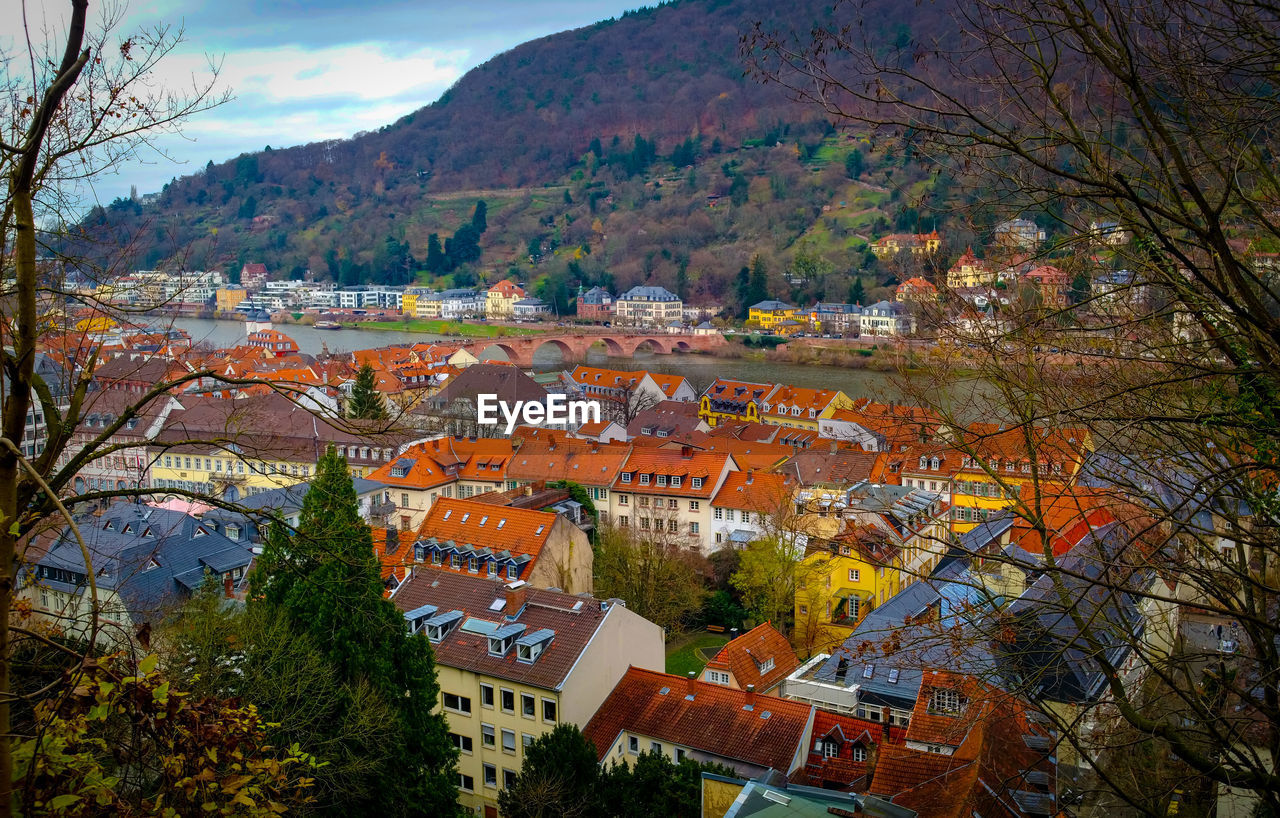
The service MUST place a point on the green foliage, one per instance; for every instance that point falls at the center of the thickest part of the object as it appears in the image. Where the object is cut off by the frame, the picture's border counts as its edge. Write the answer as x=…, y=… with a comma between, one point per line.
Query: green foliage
x=766, y=578
x=480, y=218
x=580, y=495
x=561, y=778
x=326, y=582
x=857, y=293
x=435, y=263
x=854, y=163
x=758, y=285
x=123, y=742
x=366, y=402
x=659, y=580
x=722, y=609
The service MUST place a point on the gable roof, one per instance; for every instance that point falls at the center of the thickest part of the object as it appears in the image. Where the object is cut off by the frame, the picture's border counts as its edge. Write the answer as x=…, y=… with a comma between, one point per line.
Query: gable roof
x=746, y=656
x=705, y=717
x=761, y=492
x=517, y=531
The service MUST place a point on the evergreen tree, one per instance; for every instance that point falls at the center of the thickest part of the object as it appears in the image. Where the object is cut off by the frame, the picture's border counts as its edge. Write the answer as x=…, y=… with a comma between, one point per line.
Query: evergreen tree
x=326, y=581
x=465, y=246
x=365, y=402
x=560, y=777
x=741, y=288
x=856, y=291
x=758, y=286
x=853, y=163
x=480, y=219
x=435, y=255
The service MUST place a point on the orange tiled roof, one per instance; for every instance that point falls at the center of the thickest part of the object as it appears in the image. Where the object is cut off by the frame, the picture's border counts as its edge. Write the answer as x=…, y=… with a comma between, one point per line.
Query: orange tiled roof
x=668, y=383
x=704, y=717
x=760, y=492
x=804, y=397
x=746, y=656
x=686, y=464
x=483, y=525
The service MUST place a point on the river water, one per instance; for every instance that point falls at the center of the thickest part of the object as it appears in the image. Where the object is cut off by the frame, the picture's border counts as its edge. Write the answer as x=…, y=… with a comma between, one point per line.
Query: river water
x=700, y=369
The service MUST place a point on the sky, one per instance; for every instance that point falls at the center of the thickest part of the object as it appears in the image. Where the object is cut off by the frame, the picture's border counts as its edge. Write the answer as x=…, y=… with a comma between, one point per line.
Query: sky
x=306, y=70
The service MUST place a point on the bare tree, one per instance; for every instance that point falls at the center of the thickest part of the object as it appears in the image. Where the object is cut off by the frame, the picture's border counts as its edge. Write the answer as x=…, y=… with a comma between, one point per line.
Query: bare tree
x=1157, y=119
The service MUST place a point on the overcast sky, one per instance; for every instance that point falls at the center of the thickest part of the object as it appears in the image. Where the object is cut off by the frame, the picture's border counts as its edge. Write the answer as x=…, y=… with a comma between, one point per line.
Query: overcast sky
x=303, y=70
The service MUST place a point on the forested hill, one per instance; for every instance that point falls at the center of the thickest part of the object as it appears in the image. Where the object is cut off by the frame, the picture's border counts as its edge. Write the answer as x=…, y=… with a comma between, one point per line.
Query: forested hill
x=653, y=92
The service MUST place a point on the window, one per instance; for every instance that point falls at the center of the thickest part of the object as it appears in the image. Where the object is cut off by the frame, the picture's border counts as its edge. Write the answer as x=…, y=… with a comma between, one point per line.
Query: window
x=859, y=753
x=680, y=754
x=486, y=695
x=830, y=749
x=644, y=479
x=693, y=528
x=513, y=572
x=633, y=744
x=527, y=705
x=549, y=710
x=676, y=481
x=673, y=526
x=662, y=480
x=855, y=575
x=644, y=501
x=717, y=677
x=644, y=523
x=947, y=702
x=624, y=499
x=466, y=783
x=718, y=514
x=697, y=482
x=508, y=741
x=693, y=505
x=624, y=521
x=626, y=478
x=508, y=778
x=462, y=704
x=490, y=775
x=488, y=737
x=655, y=747
x=672, y=503
x=526, y=740
x=508, y=701
x=463, y=743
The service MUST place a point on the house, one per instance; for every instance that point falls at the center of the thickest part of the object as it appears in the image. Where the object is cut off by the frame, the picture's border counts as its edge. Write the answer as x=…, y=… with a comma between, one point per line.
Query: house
x=1051, y=283
x=228, y=298
x=455, y=466
x=126, y=466
x=603, y=431
x=596, y=304
x=453, y=409
x=1119, y=293
x=1109, y=234
x=747, y=507
x=801, y=407
x=250, y=522
x=917, y=244
x=592, y=465
x=760, y=658
x=729, y=400
x=502, y=542
x=146, y=560
x=749, y=732
x=622, y=394
x=667, y=493
x=770, y=314
x=1019, y=234
x=725, y=797
x=916, y=289
x=968, y=272
x=275, y=341
x=886, y=318
x=648, y=306
x=500, y=299
x=669, y=420
x=513, y=661
x=530, y=309
x=840, y=319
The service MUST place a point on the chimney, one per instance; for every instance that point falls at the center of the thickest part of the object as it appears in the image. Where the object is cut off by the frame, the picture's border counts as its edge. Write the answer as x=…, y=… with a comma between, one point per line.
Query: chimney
x=751, y=696
x=393, y=540
x=693, y=678
x=686, y=452
x=842, y=668
x=516, y=594
x=884, y=723
x=228, y=586
x=751, y=476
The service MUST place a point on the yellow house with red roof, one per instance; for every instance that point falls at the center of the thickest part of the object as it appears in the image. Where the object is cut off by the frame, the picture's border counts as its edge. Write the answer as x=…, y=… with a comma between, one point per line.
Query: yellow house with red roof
x=443, y=467
x=500, y=300
x=800, y=407
x=728, y=400
x=667, y=493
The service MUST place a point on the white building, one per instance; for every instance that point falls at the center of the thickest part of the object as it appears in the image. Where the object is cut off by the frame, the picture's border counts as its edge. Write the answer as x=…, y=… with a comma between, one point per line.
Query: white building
x=886, y=318
x=648, y=306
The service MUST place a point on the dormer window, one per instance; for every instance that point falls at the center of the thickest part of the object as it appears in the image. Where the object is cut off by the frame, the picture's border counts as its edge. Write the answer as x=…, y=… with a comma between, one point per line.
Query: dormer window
x=697, y=482
x=530, y=647
x=922, y=463
x=626, y=477
x=947, y=703
x=662, y=480
x=441, y=625
x=644, y=479
x=501, y=640
x=675, y=482
x=795, y=411
x=233, y=532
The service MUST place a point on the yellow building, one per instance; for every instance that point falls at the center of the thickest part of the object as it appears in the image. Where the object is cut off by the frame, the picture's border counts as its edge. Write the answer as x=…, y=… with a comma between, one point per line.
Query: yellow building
x=801, y=408
x=428, y=305
x=918, y=244
x=228, y=298
x=726, y=401
x=770, y=314
x=970, y=271
x=513, y=662
x=501, y=298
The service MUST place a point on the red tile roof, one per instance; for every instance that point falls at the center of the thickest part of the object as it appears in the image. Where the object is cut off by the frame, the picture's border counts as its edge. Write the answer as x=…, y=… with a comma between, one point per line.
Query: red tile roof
x=500, y=528
x=462, y=649
x=704, y=717
x=686, y=464
x=760, y=492
x=746, y=656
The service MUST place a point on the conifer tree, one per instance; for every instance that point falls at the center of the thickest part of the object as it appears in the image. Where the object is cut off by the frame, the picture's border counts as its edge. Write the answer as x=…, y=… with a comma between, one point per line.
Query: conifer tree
x=365, y=402
x=479, y=219
x=326, y=580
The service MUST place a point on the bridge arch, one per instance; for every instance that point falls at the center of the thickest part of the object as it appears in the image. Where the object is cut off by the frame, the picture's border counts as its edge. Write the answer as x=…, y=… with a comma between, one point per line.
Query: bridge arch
x=512, y=355
x=566, y=351
x=651, y=344
x=682, y=345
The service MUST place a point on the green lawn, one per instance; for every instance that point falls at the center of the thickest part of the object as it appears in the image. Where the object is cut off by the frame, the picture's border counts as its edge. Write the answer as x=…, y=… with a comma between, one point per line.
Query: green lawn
x=692, y=651
x=451, y=328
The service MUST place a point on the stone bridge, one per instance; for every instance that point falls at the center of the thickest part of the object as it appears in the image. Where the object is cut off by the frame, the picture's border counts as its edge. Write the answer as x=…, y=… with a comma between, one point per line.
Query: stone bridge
x=573, y=348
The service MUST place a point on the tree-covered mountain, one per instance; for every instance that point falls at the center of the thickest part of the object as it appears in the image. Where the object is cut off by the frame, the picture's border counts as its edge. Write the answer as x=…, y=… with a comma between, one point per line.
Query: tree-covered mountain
x=632, y=150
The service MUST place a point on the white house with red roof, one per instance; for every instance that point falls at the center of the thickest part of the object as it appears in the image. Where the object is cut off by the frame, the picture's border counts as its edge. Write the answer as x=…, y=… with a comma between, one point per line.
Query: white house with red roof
x=667, y=493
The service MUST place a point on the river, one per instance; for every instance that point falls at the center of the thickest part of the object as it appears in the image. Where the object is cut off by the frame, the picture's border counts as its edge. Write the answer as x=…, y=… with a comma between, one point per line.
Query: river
x=700, y=369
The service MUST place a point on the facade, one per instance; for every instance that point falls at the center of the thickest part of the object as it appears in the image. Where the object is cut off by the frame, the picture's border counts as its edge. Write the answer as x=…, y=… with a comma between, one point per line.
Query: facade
x=916, y=289
x=667, y=493
x=228, y=298
x=838, y=319
x=1051, y=283
x=1019, y=234
x=760, y=658
x=596, y=304
x=513, y=662
x=968, y=272
x=770, y=314
x=530, y=309
x=500, y=299
x=918, y=244
x=800, y=407
x=455, y=466
x=273, y=341
x=648, y=306
x=746, y=507
x=887, y=319
x=728, y=401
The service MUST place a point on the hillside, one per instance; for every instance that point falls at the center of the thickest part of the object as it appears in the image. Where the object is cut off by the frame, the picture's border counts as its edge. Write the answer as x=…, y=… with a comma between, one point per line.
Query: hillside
x=596, y=152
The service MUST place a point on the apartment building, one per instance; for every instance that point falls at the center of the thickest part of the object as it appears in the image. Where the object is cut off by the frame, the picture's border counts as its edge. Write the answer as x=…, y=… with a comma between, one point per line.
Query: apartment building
x=799, y=407
x=648, y=306
x=668, y=492
x=501, y=298
x=514, y=661
x=444, y=467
